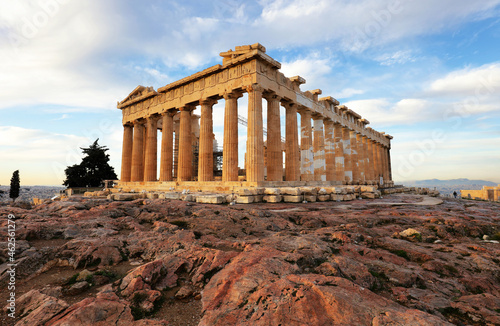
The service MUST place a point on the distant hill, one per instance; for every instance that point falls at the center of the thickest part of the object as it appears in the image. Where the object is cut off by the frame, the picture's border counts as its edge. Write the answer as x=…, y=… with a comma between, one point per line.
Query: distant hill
x=447, y=187
x=449, y=183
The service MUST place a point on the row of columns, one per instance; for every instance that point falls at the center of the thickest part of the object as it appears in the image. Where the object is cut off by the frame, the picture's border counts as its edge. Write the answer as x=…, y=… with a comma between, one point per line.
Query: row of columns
x=330, y=153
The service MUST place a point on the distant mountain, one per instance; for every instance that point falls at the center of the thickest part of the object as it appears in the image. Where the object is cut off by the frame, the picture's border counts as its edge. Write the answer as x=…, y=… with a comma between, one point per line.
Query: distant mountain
x=449, y=183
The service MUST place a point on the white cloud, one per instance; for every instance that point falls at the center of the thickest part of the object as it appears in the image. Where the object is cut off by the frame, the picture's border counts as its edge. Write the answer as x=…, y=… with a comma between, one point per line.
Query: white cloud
x=348, y=92
x=399, y=57
x=480, y=82
x=314, y=68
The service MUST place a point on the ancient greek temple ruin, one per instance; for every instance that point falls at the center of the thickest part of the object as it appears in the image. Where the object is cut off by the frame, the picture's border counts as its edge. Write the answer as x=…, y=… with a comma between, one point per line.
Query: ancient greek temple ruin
x=333, y=145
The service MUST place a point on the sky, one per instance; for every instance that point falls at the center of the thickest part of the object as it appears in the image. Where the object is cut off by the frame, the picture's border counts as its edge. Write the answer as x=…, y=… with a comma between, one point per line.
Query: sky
x=426, y=72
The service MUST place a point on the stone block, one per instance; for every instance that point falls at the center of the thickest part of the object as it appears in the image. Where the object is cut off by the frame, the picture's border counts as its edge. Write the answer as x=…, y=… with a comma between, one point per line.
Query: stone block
x=368, y=189
x=189, y=198
x=272, y=191
x=211, y=199
x=246, y=191
x=348, y=197
x=324, y=197
x=272, y=198
x=368, y=195
x=259, y=191
x=126, y=196
x=336, y=197
x=349, y=190
x=322, y=191
x=152, y=196
x=293, y=199
x=310, y=198
x=244, y=199
x=170, y=195
x=291, y=191
x=309, y=190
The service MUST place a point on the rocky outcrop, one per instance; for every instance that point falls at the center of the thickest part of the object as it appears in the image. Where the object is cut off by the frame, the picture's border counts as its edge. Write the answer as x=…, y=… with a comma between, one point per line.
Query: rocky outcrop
x=397, y=260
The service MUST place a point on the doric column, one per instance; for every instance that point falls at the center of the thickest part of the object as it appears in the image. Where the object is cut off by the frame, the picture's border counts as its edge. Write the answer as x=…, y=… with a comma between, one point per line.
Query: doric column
x=167, y=147
x=128, y=137
x=137, y=153
x=355, y=158
x=274, y=154
x=306, y=146
x=144, y=146
x=385, y=165
x=255, y=136
x=368, y=163
x=185, y=169
x=319, y=149
x=206, y=148
x=329, y=150
x=380, y=165
x=361, y=158
x=389, y=163
x=230, y=146
x=375, y=161
x=151, y=165
x=176, y=147
x=346, y=141
x=339, y=153
x=292, y=170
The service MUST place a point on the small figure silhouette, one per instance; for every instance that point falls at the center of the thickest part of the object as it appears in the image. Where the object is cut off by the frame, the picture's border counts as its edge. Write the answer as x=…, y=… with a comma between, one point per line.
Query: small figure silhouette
x=455, y=194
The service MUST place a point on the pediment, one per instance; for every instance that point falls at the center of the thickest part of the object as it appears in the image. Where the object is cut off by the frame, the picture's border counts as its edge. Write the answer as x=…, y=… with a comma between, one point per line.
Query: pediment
x=138, y=94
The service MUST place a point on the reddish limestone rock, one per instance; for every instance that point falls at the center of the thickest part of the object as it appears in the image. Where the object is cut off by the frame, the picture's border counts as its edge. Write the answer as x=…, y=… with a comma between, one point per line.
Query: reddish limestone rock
x=38, y=308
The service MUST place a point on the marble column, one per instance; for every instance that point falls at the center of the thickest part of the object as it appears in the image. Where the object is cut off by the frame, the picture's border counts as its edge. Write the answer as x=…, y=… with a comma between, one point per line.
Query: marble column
x=389, y=163
x=206, y=143
x=128, y=138
x=346, y=140
x=292, y=167
x=144, y=146
x=230, y=146
x=329, y=150
x=176, y=146
x=306, y=146
x=361, y=158
x=151, y=164
x=368, y=163
x=255, y=135
x=274, y=154
x=354, y=158
x=339, y=153
x=167, y=147
x=380, y=167
x=137, y=153
x=385, y=166
x=319, y=149
x=375, y=160
x=185, y=169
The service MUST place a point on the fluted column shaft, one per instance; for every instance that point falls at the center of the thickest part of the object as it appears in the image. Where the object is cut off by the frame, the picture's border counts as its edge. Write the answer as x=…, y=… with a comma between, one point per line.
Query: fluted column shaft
x=368, y=163
x=375, y=160
x=185, y=169
x=339, y=153
x=255, y=136
x=176, y=147
x=329, y=150
x=354, y=158
x=306, y=146
x=380, y=164
x=151, y=162
x=128, y=137
x=230, y=147
x=137, y=153
x=167, y=147
x=361, y=158
x=319, y=149
x=389, y=163
x=385, y=166
x=206, y=147
x=274, y=154
x=292, y=168
x=346, y=140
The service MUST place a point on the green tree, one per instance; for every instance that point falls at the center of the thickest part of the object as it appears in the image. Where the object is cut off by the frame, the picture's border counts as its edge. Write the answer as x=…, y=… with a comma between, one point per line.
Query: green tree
x=93, y=169
x=15, y=185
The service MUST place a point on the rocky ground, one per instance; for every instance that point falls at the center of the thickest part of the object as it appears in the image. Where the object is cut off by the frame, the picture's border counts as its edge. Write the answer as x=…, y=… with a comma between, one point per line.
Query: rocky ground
x=399, y=260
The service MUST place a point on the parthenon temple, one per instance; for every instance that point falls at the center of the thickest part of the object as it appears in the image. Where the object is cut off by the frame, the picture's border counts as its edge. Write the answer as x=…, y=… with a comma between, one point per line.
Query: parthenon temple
x=333, y=145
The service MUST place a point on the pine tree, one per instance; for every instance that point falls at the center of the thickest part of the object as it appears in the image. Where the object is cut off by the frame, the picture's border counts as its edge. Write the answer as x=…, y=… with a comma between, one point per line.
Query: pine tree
x=15, y=185
x=93, y=169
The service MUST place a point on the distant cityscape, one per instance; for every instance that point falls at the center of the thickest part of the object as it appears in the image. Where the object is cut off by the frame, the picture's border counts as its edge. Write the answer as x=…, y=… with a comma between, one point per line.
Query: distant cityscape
x=27, y=193
x=447, y=187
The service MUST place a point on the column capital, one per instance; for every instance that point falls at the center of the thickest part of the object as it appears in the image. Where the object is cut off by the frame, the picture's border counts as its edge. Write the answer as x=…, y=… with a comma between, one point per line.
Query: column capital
x=304, y=110
x=139, y=121
x=169, y=113
x=232, y=95
x=154, y=116
x=254, y=88
x=287, y=104
x=271, y=96
x=208, y=101
x=187, y=107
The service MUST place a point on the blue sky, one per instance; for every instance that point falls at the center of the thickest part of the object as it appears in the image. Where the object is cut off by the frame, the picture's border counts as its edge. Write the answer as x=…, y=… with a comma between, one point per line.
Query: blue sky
x=426, y=72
